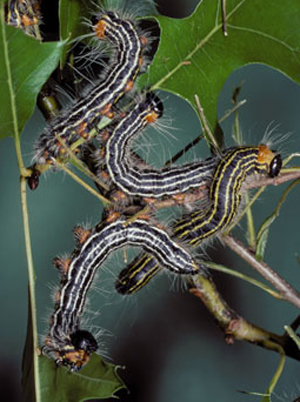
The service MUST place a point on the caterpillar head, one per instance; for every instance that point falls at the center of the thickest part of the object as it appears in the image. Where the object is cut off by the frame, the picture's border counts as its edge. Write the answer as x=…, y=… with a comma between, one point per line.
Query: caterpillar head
x=275, y=166
x=100, y=24
x=76, y=353
x=271, y=158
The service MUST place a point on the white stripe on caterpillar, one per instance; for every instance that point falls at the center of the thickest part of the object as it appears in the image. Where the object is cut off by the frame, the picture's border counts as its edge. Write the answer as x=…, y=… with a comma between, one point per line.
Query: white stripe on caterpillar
x=79, y=272
x=149, y=182
x=78, y=121
x=233, y=169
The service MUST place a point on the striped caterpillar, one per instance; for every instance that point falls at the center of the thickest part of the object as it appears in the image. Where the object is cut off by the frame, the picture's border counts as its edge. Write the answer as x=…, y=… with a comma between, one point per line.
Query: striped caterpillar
x=77, y=121
x=225, y=196
x=149, y=182
x=137, y=274
x=23, y=14
x=66, y=342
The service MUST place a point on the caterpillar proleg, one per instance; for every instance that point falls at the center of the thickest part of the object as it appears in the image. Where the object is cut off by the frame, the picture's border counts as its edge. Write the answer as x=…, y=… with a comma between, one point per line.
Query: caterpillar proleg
x=66, y=342
x=234, y=168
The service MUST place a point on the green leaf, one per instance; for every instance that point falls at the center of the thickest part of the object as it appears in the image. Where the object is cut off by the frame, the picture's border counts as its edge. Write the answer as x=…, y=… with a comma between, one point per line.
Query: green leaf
x=194, y=57
x=263, y=232
x=21, y=80
x=71, y=14
x=97, y=379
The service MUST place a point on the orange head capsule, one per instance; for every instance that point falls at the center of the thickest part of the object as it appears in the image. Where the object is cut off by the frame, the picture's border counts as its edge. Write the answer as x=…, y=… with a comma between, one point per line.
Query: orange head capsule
x=100, y=25
x=99, y=28
x=76, y=353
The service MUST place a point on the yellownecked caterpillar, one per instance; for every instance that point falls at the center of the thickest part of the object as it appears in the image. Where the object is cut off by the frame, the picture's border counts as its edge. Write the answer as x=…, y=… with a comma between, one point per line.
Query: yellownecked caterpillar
x=78, y=120
x=23, y=14
x=225, y=193
x=66, y=342
x=232, y=171
x=137, y=274
x=149, y=182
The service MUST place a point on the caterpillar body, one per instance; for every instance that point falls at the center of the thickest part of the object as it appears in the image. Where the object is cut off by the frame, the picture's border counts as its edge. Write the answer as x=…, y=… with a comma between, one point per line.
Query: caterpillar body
x=23, y=14
x=66, y=342
x=137, y=274
x=149, y=182
x=232, y=171
x=84, y=115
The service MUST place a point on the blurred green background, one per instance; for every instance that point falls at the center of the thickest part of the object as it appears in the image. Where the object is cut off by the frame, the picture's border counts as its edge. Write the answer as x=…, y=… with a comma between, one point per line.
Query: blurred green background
x=168, y=342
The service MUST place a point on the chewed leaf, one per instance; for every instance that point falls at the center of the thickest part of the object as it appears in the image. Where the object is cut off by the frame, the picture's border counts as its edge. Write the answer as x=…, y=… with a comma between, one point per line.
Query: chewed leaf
x=194, y=56
x=97, y=379
x=263, y=232
x=20, y=80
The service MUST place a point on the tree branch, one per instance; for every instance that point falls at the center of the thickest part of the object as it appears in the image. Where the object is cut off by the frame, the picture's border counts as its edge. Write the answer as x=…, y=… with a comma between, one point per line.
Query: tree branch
x=283, y=287
x=235, y=326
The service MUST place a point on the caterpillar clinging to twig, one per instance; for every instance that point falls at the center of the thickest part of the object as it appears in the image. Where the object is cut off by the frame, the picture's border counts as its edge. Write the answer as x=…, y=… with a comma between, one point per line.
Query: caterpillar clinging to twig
x=66, y=341
x=235, y=167
x=149, y=182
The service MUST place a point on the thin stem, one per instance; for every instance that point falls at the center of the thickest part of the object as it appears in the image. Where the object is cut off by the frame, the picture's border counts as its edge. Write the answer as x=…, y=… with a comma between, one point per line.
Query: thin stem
x=184, y=150
x=286, y=175
x=222, y=268
x=31, y=284
x=204, y=124
x=224, y=21
x=200, y=136
x=81, y=182
x=77, y=162
x=283, y=287
x=23, y=173
x=232, y=110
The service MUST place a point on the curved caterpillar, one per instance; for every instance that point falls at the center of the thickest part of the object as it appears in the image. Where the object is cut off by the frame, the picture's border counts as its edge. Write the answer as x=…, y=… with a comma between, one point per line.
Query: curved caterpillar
x=225, y=194
x=78, y=121
x=232, y=171
x=66, y=342
x=149, y=182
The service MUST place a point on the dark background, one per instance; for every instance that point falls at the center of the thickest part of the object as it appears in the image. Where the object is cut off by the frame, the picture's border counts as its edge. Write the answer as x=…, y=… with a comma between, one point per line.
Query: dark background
x=167, y=340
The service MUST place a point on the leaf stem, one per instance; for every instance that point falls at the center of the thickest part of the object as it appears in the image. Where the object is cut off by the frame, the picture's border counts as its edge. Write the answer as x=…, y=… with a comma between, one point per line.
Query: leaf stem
x=283, y=287
x=81, y=182
x=30, y=268
x=23, y=173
